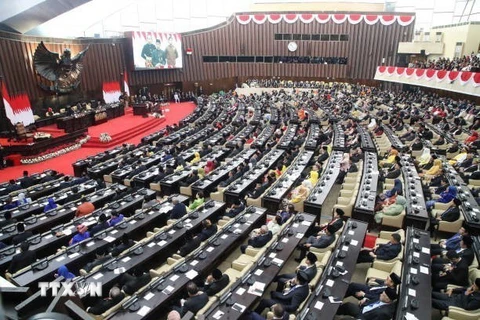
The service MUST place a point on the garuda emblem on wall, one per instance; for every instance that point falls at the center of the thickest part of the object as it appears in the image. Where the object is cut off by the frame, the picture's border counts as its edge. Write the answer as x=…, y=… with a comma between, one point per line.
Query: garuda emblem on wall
x=64, y=71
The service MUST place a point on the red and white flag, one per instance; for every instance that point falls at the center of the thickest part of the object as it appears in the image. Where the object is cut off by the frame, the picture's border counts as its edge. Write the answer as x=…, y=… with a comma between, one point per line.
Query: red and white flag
x=125, y=83
x=111, y=92
x=17, y=108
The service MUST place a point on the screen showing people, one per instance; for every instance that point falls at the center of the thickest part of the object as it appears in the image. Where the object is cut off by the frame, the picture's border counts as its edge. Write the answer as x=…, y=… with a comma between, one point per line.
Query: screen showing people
x=153, y=50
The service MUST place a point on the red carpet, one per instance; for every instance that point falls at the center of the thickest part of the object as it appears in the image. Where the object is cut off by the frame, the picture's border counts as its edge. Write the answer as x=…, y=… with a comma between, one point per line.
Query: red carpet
x=52, y=129
x=121, y=129
x=64, y=163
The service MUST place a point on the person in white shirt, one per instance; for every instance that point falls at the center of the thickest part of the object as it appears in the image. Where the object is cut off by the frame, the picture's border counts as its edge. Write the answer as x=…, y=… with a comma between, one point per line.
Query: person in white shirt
x=274, y=225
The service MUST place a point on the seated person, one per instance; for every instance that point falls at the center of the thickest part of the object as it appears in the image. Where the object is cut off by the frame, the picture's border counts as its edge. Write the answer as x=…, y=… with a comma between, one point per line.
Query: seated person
x=132, y=282
x=196, y=300
x=208, y=230
x=258, y=240
x=286, y=213
x=101, y=256
x=84, y=209
x=65, y=273
x=215, y=282
x=391, y=210
x=381, y=308
x=310, y=270
x=468, y=299
x=114, y=297
x=301, y=192
x=275, y=224
x=116, y=218
x=178, y=211
x=456, y=273
x=23, y=259
x=277, y=313
x=101, y=225
x=174, y=315
x=321, y=241
x=452, y=243
x=191, y=178
x=258, y=190
x=9, y=204
x=235, y=209
x=450, y=215
x=8, y=219
x=385, y=251
x=336, y=223
x=22, y=235
x=199, y=200
x=395, y=171
x=50, y=205
x=291, y=299
x=445, y=197
x=82, y=234
x=122, y=246
x=465, y=252
x=365, y=292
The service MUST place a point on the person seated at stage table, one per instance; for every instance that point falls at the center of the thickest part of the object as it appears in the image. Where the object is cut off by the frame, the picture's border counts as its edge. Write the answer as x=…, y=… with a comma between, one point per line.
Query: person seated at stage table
x=209, y=167
x=455, y=273
x=235, y=209
x=366, y=292
x=291, y=299
x=450, y=215
x=208, y=230
x=114, y=297
x=8, y=219
x=468, y=299
x=85, y=209
x=391, y=157
x=82, y=234
x=199, y=200
x=22, y=235
x=23, y=259
x=310, y=270
x=319, y=241
x=258, y=239
x=196, y=158
x=385, y=251
x=9, y=204
x=178, y=211
x=125, y=243
x=378, y=309
x=102, y=224
x=50, y=205
x=115, y=218
x=196, y=300
x=215, y=282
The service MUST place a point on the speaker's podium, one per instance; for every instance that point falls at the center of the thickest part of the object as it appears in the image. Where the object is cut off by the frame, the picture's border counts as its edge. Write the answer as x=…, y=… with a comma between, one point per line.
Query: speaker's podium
x=141, y=109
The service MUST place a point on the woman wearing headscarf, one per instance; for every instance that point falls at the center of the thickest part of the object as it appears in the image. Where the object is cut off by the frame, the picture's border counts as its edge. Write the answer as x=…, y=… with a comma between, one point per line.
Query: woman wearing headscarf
x=314, y=174
x=392, y=210
x=82, y=234
x=425, y=158
x=372, y=125
x=445, y=197
x=390, y=158
x=50, y=205
x=390, y=196
x=459, y=157
x=472, y=137
x=181, y=164
x=196, y=158
x=301, y=192
x=63, y=272
x=199, y=200
x=22, y=199
x=433, y=171
x=209, y=167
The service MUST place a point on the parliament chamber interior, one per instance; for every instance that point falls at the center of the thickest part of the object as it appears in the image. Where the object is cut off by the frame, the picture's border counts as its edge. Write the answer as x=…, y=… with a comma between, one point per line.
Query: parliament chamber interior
x=240, y=160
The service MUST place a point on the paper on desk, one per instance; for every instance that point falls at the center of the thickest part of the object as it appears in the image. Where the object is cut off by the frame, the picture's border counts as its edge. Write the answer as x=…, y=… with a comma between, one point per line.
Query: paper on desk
x=210, y=249
x=257, y=288
x=225, y=236
x=97, y=276
x=168, y=290
x=171, y=231
x=109, y=239
x=272, y=255
x=43, y=218
x=143, y=311
x=277, y=261
x=410, y=316
x=351, y=232
x=330, y=283
x=354, y=242
x=48, y=237
x=332, y=300
x=119, y=270
x=126, y=259
x=60, y=258
x=339, y=263
x=191, y=274
x=416, y=240
x=426, y=250
x=318, y=305
x=218, y=315
x=133, y=221
x=413, y=271
x=74, y=255
x=412, y=292
x=238, y=307
x=285, y=240
x=416, y=255
x=299, y=235
x=345, y=248
x=194, y=263
x=295, y=225
x=151, y=244
x=174, y=277
x=161, y=243
x=240, y=291
x=113, y=231
x=258, y=272
x=306, y=223
x=149, y=296
x=67, y=232
x=424, y=270
x=91, y=243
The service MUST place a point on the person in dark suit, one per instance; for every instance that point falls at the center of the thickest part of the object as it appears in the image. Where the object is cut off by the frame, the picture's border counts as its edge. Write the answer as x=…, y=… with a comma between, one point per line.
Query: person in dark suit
x=114, y=297
x=321, y=241
x=49, y=177
x=236, y=208
x=258, y=190
x=74, y=196
x=465, y=252
x=380, y=309
x=385, y=251
x=100, y=257
x=258, y=240
x=8, y=219
x=468, y=299
x=22, y=235
x=208, y=230
x=12, y=186
x=395, y=172
x=278, y=311
x=191, y=178
x=291, y=299
x=310, y=270
x=23, y=259
x=102, y=224
x=362, y=291
x=196, y=300
x=178, y=210
x=122, y=246
x=456, y=273
x=66, y=183
x=336, y=223
x=323, y=155
x=130, y=283
x=216, y=282
x=26, y=181
x=453, y=213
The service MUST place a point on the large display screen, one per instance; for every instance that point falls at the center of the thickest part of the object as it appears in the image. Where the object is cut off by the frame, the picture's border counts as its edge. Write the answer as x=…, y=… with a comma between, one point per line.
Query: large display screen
x=154, y=50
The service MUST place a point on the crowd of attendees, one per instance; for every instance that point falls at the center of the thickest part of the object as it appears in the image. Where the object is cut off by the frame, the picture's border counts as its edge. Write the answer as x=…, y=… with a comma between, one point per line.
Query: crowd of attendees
x=349, y=106
x=466, y=63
